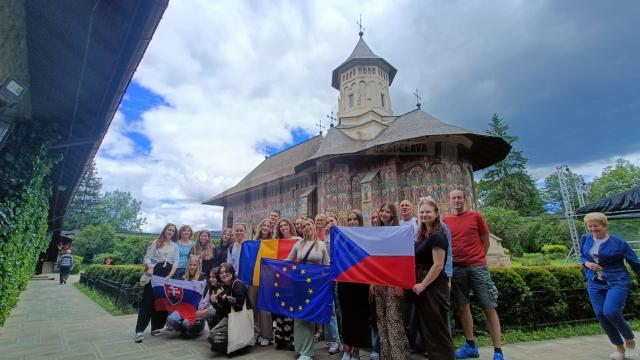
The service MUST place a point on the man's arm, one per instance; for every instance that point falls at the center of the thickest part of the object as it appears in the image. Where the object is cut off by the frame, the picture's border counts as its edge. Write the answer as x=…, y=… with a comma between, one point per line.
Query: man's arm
x=485, y=243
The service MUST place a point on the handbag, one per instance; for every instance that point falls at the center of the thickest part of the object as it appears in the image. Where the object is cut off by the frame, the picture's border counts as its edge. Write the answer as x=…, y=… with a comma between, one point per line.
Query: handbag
x=144, y=278
x=240, y=329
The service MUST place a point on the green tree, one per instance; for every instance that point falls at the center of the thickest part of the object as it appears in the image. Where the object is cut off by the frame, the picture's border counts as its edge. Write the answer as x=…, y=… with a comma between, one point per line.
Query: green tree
x=94, y=239
x=130, y=248
x=622, y=176
x=505, y=224
x=122, y=211
x=551, y=191
x=83, y=208
x=507, y=184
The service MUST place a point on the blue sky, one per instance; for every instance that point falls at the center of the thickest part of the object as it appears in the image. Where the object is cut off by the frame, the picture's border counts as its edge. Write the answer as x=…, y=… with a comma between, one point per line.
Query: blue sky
x=223, y=81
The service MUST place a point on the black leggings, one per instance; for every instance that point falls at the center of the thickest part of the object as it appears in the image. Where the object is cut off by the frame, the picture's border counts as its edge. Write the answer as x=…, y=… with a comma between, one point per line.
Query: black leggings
x=432, y=308
x=147, y=311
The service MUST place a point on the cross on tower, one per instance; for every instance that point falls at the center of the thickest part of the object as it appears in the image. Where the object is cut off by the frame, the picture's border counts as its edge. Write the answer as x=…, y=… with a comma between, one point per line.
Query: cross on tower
x=418, y=98
x=331, y=119
x=320, y=126
x=360, y=25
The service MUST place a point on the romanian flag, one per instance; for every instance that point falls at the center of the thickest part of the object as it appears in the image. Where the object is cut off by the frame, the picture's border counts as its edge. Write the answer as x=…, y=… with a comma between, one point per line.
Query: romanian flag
x=252, y=253
x=380, y=255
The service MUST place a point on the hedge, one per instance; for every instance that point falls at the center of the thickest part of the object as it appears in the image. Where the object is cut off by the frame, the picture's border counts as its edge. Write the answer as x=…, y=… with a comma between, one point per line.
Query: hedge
x=528, y=296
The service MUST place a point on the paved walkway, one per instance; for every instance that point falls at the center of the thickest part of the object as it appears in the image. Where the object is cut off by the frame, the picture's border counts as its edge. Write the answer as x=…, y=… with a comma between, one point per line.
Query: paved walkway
x=59, y=322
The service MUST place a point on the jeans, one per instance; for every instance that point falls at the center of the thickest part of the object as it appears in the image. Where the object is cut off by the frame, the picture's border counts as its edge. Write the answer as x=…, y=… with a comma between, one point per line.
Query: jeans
x=607, y=303
x=331, y=333
x=375, y=341
x=64, y=273
x=177, y=323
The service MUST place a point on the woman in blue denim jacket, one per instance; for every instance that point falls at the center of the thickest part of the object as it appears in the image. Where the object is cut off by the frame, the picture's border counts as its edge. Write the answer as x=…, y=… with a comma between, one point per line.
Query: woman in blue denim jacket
x=603, y=257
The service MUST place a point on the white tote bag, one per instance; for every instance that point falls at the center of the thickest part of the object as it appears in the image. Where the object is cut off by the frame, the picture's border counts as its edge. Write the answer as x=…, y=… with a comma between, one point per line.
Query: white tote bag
x=240, y=329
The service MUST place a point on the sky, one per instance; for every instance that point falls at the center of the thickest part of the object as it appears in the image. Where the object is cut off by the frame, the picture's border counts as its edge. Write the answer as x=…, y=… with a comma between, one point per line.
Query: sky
x=224, y=82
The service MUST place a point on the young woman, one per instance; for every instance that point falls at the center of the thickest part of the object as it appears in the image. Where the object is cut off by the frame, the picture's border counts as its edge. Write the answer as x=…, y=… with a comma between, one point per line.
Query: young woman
x=220, y=251
x=310, y=250
x=608, y=281
x=231, y=295
x=375, y=220
x=331, y=333
x=321, y=221
x=160, y=260
x=393, y=340
x=298, y=224
x=239, y=236
x=205, y=311
x=184, y=249
x=264, y=230
x=262, y=319
x=353, y=299
x=432, y=284
x=174, y=320
x=283, y=330
x=203, y=249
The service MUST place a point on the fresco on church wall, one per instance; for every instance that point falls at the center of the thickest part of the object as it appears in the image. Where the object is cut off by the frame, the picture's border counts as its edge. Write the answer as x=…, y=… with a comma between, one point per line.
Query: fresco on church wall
x=339, y=187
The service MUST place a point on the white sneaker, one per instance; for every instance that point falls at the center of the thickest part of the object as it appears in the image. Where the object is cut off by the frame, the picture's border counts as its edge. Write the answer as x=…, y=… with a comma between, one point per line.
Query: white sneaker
x=305, y=357
x=346, y=356
x=334, y=348
x=264, y=342
x=374, y=356
x=138, y=337
x=616, y=355
x=157, y=332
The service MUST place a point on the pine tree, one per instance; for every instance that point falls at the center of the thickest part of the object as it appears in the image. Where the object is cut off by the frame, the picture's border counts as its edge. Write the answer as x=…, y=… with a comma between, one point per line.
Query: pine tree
x=83, y=209
x=507, y=184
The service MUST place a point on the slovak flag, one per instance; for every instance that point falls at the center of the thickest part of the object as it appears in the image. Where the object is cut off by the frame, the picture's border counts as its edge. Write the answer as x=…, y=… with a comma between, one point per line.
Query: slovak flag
x=177, y=295
x=380, y=255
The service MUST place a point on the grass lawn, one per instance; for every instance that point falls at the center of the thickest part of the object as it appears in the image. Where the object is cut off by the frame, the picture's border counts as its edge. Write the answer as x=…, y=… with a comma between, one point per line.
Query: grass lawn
x=104, y=301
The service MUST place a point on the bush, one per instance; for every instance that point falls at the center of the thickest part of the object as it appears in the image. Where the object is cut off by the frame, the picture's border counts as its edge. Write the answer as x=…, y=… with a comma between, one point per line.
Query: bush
x=550, y=249
x=94, y=239
x=547, y=303
x=513, y=296
x=77, y=264
x=572, y=279
x=116, y=259
x=123, y=274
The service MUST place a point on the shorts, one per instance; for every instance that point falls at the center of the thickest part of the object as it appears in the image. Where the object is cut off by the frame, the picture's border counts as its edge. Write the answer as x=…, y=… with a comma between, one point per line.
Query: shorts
x=478, y=279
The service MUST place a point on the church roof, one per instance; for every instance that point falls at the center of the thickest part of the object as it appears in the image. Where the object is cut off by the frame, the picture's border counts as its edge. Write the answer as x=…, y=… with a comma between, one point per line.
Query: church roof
x=416, y=126
x=362, y=55
x=272, y=168
x=484, y=150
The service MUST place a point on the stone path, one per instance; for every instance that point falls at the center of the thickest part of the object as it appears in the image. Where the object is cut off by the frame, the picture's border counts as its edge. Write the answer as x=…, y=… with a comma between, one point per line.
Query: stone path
x=59, y=322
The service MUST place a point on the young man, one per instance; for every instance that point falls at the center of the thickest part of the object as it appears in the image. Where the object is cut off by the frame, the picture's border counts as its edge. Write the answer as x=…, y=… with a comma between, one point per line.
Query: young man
x=470, y=243
x=274, y=217
x=406, y=215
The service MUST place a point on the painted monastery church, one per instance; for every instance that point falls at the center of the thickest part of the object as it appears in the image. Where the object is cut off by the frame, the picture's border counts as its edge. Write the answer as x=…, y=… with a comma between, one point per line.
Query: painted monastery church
x=369, y=158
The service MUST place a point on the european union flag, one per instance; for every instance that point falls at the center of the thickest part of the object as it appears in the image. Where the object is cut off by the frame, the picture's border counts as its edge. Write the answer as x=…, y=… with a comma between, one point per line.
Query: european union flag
x=296, y=290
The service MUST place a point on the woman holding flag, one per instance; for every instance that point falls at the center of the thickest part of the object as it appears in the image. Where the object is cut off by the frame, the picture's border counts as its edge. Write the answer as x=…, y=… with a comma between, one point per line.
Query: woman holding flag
x=307, y=250
x=283, y=330
x=262, y=319
x=160, y=260
x=432, y=284
x=231, y=294
x=393, y=340
x=354, y=306
x=175, y=321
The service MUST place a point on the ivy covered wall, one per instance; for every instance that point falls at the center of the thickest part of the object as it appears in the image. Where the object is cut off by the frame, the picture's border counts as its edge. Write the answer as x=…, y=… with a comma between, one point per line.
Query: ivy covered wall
x=24, y=206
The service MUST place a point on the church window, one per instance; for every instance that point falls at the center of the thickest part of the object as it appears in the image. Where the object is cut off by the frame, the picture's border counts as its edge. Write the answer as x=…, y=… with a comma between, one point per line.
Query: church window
x=382, y=99
x=350, y=100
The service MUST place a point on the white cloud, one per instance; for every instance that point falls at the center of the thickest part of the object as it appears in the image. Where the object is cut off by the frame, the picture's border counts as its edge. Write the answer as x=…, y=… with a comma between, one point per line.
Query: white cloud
x=238, y=74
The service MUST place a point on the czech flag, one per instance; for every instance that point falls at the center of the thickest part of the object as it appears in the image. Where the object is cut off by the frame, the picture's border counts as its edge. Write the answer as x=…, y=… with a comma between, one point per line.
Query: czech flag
x=380, y=255
x=252, y=253
x=177, y=295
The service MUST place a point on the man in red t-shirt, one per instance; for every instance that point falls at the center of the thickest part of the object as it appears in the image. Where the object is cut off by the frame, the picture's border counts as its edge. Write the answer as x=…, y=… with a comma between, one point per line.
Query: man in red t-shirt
x=470, y=243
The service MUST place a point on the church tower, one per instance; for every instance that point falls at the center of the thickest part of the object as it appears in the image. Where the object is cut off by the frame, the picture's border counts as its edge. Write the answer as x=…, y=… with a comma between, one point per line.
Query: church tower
x=364, y=105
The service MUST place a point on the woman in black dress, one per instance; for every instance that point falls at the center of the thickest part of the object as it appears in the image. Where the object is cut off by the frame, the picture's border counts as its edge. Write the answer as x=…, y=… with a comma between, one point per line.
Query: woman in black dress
x=354, y=306
x=432, y=284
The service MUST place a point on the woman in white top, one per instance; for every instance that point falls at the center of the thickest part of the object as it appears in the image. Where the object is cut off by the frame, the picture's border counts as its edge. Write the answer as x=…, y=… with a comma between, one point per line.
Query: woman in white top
x=233, y=256
x=160, y=260
x=309, y=250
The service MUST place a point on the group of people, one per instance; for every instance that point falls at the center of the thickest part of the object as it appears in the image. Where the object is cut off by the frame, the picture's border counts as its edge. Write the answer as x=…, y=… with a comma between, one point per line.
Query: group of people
x=450, y=257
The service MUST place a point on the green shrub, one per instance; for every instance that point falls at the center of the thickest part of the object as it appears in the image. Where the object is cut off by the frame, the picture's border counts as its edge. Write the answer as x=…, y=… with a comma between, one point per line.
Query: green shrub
x=574, y=285
x=94, y=239
x=98, y=259
x=77, y=264
x=123, y=274
x=547, y=303
x=554, y=249
x=513, y=296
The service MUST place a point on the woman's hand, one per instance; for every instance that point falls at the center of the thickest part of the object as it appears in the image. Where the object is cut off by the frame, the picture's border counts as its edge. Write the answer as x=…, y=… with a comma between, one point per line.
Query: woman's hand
x=418, y=288
x=372, y=293
x=398, y=291
x=150, y=271
x=202, y=313
x=593, y=266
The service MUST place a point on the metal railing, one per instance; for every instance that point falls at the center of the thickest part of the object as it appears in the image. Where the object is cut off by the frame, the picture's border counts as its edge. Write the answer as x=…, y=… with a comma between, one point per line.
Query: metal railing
x=123, y=295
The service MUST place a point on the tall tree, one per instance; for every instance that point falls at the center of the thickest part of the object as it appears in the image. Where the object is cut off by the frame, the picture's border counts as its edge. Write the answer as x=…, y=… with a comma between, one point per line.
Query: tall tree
x=122, y=211
x=83, y=208
x=507, y=184
x=551, y=194
x=621, y=176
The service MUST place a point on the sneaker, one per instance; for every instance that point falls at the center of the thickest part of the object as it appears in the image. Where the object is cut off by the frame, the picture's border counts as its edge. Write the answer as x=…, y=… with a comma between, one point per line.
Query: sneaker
x=138, y=337
x=316, y=337
x=374, y=356
x=264, y=342
x=466, y=352
x=616, y=355
x=305, y=357
x=334, y=348
x=345, y=356
x=157, y=332
x=498, y=356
